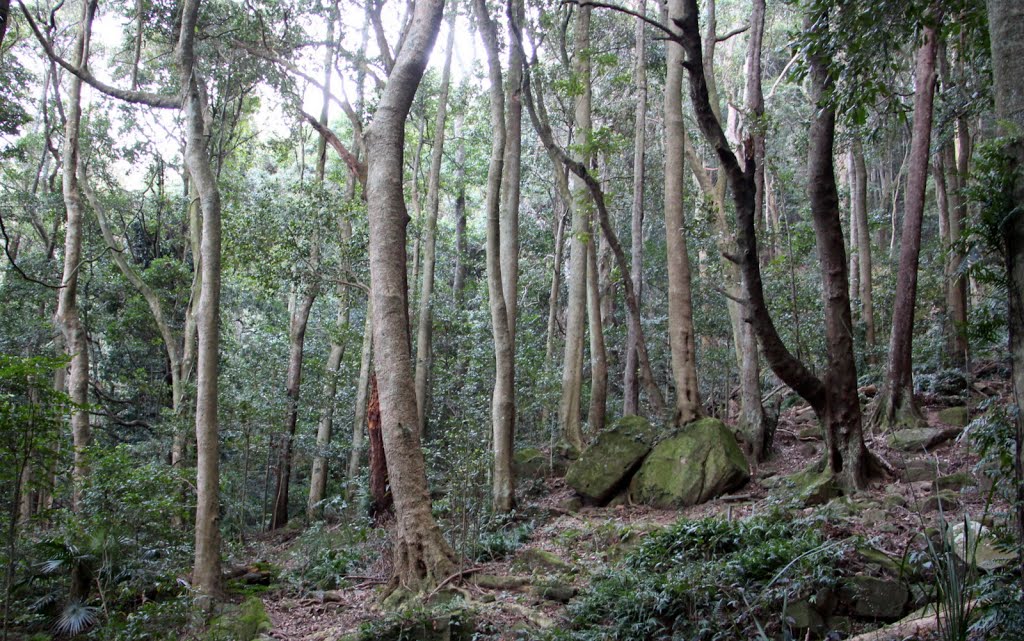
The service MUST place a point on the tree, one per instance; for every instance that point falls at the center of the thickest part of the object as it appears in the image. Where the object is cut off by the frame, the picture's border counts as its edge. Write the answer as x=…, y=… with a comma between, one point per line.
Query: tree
x=833, y=399
x=895, y=405
x=502, y=398
x=1006, y=22
x=421, y=556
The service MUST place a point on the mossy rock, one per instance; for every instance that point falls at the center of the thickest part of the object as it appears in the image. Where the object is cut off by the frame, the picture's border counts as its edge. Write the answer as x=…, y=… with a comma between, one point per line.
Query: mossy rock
x=883, y=560
x=605, y=467
x=956, y=482
x=976, y=541
x=945, y=500
x=869, y=597
x=530, y=463
x=244, y=622
x=441, y=624
x=958, y=416
x=701, y=462
x=921, y=470
x=542, y=561
x=801, y=615
x=915, y=439
x=813, y=486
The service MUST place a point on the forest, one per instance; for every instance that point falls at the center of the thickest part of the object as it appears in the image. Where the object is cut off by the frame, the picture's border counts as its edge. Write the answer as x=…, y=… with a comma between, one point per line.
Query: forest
x=347, y=320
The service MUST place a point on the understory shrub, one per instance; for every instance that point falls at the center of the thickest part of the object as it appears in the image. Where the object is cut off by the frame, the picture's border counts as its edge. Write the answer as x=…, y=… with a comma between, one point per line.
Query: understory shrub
x=709, y=579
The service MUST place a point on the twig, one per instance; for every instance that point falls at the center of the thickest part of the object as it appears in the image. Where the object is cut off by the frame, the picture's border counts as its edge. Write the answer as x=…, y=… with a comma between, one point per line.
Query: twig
x=458, y=574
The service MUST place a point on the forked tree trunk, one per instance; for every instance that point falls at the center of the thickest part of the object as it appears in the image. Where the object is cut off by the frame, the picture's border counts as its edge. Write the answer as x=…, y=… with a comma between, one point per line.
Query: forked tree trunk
x=1006, y=22
x=630, y=382
x=75, y=342
x=846, y=457
x=896, y=406
x=425, y=326
x=680, y=306
x=502, y=399
x=422, y=558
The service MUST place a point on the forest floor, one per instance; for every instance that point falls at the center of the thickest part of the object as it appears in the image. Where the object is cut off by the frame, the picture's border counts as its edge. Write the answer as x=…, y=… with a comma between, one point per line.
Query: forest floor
x=580, y=542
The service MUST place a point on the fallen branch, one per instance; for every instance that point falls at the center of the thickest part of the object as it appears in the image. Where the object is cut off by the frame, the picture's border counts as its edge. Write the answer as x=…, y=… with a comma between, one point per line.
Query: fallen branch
x=458, y=574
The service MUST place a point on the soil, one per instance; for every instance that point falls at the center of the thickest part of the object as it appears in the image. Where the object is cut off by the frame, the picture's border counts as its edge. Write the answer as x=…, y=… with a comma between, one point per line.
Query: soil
x=587, y=538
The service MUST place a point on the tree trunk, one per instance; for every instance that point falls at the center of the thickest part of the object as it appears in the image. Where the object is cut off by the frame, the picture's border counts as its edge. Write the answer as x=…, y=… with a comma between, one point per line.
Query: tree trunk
x=896, y=405
x=630, y=383
x=426, y=317
x=293, y=382
x=598, y=354
x=459, y=280
x=859, y=187
x=502, y=399
x=75, y=340
x=380, y=498
x=362, y=393
x=1006, y=22
x=511, y=179
x=680, y=306
x=847, y=456
x=421, y=557
x=572, y=370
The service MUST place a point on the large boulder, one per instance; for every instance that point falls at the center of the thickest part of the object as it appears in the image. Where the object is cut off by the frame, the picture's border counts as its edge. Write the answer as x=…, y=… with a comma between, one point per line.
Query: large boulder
x=697, y=464
x=603, y=469
x=972, y=540
x=921, y=438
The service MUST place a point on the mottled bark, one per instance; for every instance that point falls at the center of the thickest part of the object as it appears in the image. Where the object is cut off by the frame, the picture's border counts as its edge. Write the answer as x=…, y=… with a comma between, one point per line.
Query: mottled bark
x=859, y=189
x=630, y=382
x=502, y=397
x=421, y=557
x=598, y=354
x=425, y=324
x=896, y=405
x=680, y=306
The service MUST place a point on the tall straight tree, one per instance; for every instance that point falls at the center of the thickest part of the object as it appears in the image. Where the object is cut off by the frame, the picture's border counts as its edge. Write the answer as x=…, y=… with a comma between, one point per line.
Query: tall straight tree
x=502, y=398
x=630, y=384
x=863, y=244
x=680, y=305
x=1006, y=24
x=75, y=341
x=896, y=405
x=426, y=318
x=572, y=363
x=422, y=558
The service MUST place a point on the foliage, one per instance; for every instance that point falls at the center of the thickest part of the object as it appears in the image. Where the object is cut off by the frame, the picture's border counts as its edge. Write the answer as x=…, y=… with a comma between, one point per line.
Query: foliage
x=324, y=555
x=708, y=579
x=497, y=544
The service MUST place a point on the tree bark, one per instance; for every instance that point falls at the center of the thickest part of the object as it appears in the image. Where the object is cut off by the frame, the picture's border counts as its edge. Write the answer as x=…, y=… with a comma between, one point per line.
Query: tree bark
x=896, y=405
x=380, y=498
x=576, y=303
x=859, y=187
x=502, y=398
x=1006, y=24
x=206, y=573
x=426, y=317
x=511, y=179
x=362, y=393
x=293, y=382
x=75, y=341
x=598, y=354
x=459, y=280
x=630, y=383
x=422, y=558
x=680, y=306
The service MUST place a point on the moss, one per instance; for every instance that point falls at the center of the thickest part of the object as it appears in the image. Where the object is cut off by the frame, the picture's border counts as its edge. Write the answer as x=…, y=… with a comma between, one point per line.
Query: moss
x=814, y=485
x=606, y=466
x=699, y=463
x=244, y=622
x=958, y=416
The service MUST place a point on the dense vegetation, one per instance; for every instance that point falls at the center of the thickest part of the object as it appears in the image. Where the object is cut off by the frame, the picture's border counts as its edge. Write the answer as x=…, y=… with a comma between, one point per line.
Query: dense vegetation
x=347, y=284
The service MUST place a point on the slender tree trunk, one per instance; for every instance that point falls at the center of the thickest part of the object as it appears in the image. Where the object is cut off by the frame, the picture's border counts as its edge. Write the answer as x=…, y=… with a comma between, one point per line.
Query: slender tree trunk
x=896, y=405
x=680, y=306
x=380, y=498
x=859, y=187
x=598, y=354
x=511, y=179
x=426, y=317
x=502, y=399
x=75, y=341
x=459, y=280
x=422, y=558
x=630, y=383
x=1006, y=22
x=206, y=573
x=296, y=344
x=556, y=271
x=362, y=393
x=572, y=370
